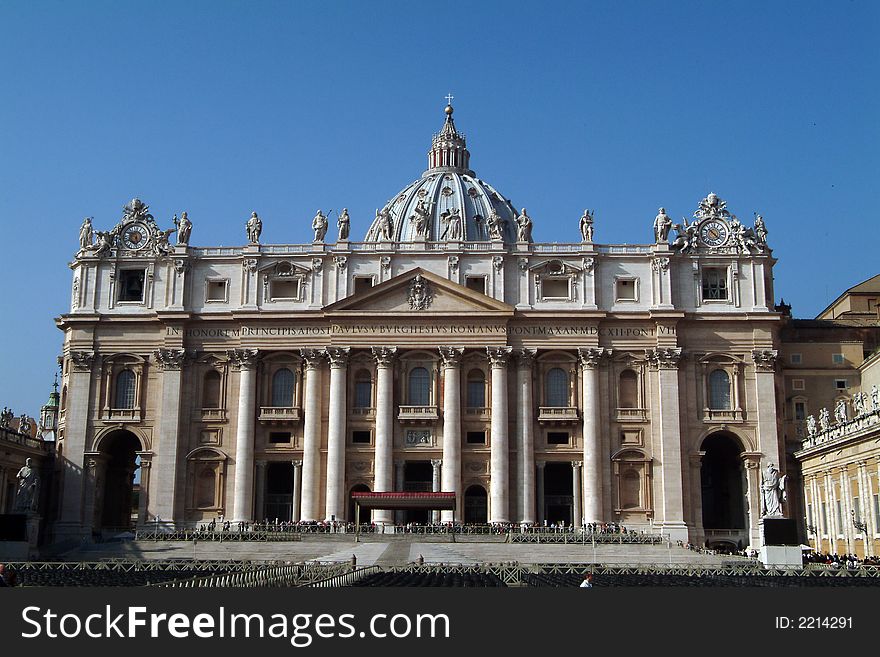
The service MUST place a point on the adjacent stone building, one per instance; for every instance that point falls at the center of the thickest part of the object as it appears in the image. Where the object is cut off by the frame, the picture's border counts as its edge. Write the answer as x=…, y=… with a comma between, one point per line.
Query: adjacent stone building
x=568, y=382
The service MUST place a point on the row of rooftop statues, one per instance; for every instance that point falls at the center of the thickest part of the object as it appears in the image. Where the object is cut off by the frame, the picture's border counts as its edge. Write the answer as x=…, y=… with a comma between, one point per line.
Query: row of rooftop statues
x=728, y=231
x=862, y=405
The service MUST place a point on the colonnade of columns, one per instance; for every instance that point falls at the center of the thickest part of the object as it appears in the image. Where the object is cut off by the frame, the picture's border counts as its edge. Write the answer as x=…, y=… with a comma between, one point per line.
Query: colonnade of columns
x=832, y=508
x=447, y=472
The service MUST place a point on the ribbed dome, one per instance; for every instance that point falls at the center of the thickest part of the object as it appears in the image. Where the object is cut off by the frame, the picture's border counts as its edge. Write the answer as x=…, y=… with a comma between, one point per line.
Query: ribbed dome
x=446, y=197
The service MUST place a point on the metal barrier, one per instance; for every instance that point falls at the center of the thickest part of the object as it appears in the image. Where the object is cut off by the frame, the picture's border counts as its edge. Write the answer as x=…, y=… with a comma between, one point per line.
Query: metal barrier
x=585, y=538
x=216, y=536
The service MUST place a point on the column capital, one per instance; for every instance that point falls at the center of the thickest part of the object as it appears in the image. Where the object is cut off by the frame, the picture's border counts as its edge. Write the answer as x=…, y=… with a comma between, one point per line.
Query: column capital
x=243, y=359
x=752, y=460
x=384, y=356
x=82, y=360
x=499, y=356
x=592, y=357
x=664, y=358
x=296, y=464
x=539, y=463
x=312, y=357
x=697, y=459
x=765, y=359
x=171, y=359
x=525, y=357
x=451, y=356
x=577, y=464
x=338, y=356
x=436, y=463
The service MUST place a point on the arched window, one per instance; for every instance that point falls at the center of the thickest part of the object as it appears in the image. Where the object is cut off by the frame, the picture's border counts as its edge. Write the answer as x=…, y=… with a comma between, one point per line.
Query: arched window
x=125, y=390
x=719, y=390
x=476, y=389
x=363, y=390
x=628, y=390
x=211, y=390
x=419, y=387
x=557, y=388
x=282, y=388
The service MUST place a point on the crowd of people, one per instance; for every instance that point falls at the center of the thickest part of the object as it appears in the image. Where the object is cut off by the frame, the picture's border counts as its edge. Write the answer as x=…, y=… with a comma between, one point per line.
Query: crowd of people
x=839, y=560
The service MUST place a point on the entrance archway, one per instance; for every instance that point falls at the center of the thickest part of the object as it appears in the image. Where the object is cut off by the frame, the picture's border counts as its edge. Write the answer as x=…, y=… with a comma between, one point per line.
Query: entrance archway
x=118, y=503
x=722, y=483
x=417, y=478
x=476, y=505
x=558, y=493
x=357, y=488
x=279, y=492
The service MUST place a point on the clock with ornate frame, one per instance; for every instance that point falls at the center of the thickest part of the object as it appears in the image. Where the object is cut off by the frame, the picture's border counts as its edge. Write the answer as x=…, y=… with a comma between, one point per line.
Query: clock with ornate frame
x=135, y=236
x=714, y=233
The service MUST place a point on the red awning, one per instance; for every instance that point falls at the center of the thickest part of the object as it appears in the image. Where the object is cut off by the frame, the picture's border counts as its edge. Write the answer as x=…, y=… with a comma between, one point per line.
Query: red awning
x=401, y=500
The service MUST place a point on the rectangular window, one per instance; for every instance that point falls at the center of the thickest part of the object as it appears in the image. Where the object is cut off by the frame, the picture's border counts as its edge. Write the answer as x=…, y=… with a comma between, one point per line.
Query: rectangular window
x=857, y=508
x=839, y=517
x=557, y=438
x=131, y=285
x=362, y=283
x=216, y=291
x=809, y=514
x=797, y=384
x=279, y=437
x=554, y=288
x=283, y=289
x=360, y=437
x=714, y=284
x=475, y=283
x=795, y=359
x=476, y=394
x=837, y=359
x=800, y=411
x=476, y=437
x=876, y=512
x=824, y=518
x=840, y=384
x=625, y=289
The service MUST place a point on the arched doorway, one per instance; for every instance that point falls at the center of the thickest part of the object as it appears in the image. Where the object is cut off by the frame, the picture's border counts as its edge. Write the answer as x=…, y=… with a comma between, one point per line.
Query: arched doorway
x=476, y=505
x=558, y=493
x=117, y=506
x=357, y=488
x=279, y=492
x=722, y=483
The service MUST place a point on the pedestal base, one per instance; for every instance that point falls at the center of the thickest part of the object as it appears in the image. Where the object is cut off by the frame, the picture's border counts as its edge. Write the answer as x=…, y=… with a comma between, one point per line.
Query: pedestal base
x=781, y=556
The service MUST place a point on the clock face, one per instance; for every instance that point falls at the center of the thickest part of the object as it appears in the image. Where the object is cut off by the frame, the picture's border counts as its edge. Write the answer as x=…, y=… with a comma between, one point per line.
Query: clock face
x=135, y=236
x=714, y=233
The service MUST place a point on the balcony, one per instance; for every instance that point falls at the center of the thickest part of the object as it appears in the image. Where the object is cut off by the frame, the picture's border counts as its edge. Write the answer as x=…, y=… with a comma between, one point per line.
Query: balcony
x=481, y=413
x=632, y=415
x=122, y=415
x=212, y=414
x=279, y=414
x=363, y=413
x=723, y=416
x=417, y=414
x=557, y=414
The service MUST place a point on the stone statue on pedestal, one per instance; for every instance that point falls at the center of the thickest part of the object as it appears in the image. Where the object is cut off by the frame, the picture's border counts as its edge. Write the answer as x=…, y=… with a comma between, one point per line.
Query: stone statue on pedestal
x=319, y=225
x=86, y=235
x=343, y=223
x=772, y=491
x=184, y=228
x=254, y=227
x=523, y=227
x=662, y=226
x=28, y=485
x=495, y=224
x=586, y=226
x=420, y=219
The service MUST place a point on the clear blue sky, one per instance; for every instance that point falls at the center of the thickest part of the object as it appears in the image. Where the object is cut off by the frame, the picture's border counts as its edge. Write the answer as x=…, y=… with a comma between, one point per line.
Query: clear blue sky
x=221, y=108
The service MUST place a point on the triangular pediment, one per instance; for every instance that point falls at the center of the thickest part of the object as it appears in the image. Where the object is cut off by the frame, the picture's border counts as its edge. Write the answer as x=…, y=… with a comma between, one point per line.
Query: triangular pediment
x=396, y=296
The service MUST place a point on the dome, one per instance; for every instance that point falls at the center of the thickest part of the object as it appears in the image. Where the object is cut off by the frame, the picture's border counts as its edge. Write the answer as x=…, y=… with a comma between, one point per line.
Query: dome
x=448, y=203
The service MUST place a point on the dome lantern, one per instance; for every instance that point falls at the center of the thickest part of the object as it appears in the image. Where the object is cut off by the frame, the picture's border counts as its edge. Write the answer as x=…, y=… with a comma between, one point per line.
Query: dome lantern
x=449, y=148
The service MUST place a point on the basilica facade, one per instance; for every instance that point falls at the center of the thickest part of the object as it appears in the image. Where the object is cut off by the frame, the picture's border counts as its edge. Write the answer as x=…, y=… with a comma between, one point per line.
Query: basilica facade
x=445, y=351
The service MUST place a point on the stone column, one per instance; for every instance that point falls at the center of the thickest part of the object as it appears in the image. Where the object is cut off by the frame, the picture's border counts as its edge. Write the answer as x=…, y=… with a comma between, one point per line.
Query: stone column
x=335, y=507
x=849, y=534
x=499, y=451
x=752, y=462
x=696, y=461
x=71, y=523
x=576, y=514
x=311, y=476
x=384, y=426
x=590, y=359
x=451, y=472
x=244, y=360
x=540, y=486
x=867, y=501
x=665, y=361
x=296, y=512
x=144, y=496
x=399, y=475
x=768, y=435
x=260, y=504
x=435, y=484
x=170, y=361
x=93, y=473
x=525, y=360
